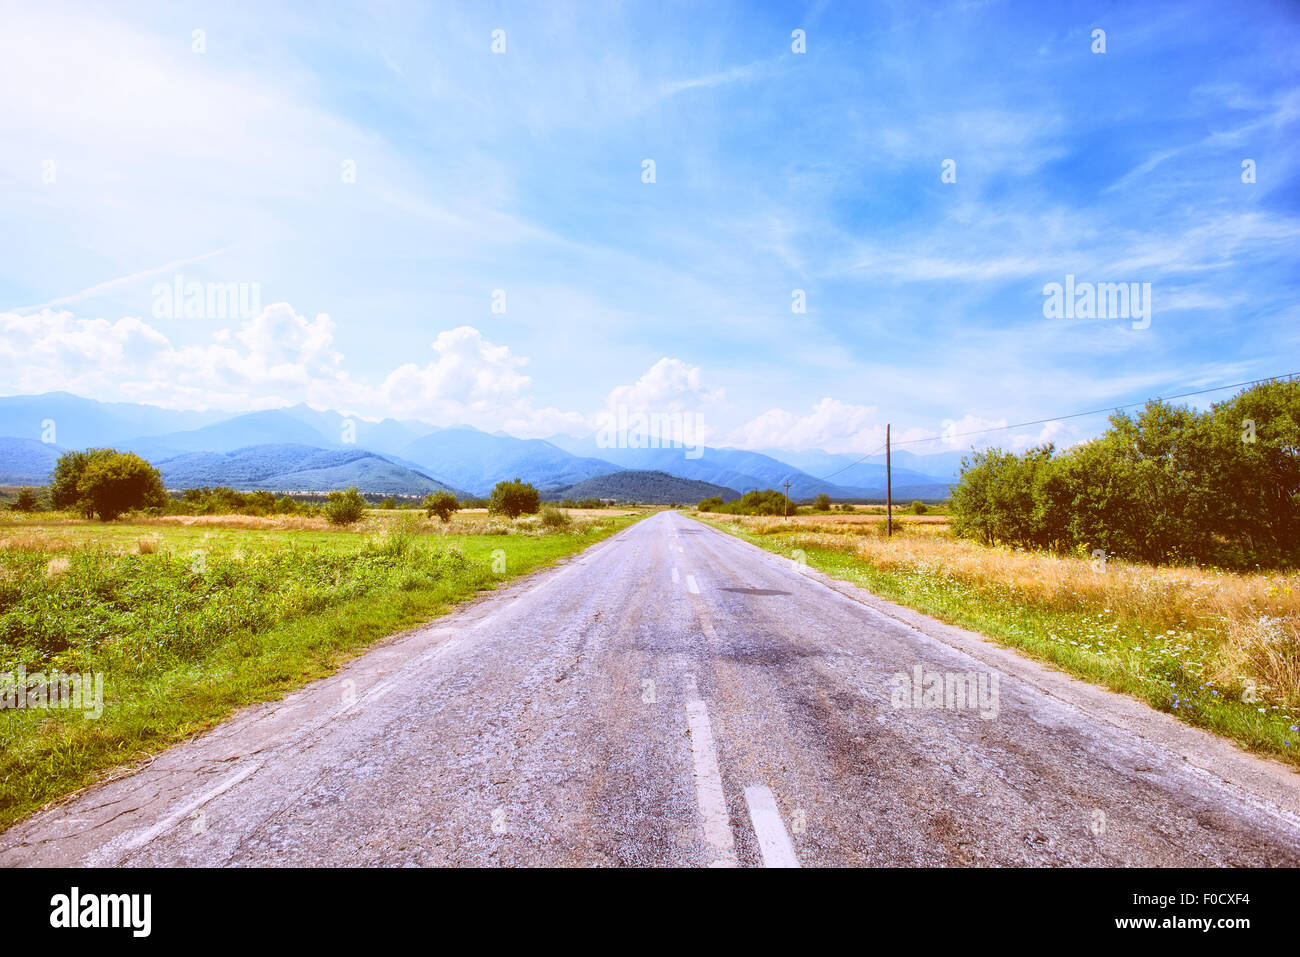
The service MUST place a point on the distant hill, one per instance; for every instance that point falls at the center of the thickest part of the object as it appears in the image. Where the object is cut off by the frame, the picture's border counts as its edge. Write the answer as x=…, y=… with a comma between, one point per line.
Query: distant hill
x=651, y=487
x=851, y=469
x=297, y=468
x=476, y=460
x=416, y=453
x=26, y=461
x=273, y=427
x=84, y=423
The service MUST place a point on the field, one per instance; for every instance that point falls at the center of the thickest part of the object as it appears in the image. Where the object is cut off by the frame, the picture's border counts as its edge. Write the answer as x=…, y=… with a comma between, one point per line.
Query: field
x=1217, y=649
x=188, y=618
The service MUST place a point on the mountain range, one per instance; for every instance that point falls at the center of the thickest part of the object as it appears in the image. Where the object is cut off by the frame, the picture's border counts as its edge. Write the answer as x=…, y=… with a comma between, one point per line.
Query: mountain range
x=299, y=448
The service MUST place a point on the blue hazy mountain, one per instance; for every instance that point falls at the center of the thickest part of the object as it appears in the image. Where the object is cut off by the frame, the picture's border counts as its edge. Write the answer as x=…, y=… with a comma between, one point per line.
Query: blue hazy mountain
x=297, y=468
x=476, y=460
x=378, y=456
x=26, y=461
x=644, y=487
x=84, y=423
x=273, y=427
x=844, y=468
x=743, y=470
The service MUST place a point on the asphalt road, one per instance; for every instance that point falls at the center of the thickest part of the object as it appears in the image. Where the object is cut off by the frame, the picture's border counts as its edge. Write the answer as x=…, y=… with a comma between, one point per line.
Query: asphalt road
x=674, y=696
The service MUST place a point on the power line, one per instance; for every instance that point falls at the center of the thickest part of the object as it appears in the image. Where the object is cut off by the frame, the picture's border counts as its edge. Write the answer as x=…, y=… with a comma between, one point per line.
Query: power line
x=1076, y=415
x=1058, y=418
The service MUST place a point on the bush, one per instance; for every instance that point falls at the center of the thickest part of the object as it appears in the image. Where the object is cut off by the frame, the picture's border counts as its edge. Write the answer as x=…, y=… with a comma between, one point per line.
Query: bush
x=344, y=508
x=553, y=517
x=919, y=508
x=822, y=502
x=713, y=504
x=515, y=498
x=443, y=504
x=27, y=500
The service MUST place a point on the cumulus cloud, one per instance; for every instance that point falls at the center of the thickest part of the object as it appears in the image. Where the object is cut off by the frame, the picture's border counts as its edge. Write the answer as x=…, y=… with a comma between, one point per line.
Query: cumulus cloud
x=670, y=385
x=468, y=372
x=832, y=426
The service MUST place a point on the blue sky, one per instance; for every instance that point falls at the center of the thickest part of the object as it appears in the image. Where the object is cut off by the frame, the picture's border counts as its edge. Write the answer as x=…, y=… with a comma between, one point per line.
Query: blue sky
x=132, y=157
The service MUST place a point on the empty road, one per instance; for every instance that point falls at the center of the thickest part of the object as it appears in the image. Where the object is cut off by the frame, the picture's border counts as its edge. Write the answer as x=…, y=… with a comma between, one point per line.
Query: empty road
x=674, y=696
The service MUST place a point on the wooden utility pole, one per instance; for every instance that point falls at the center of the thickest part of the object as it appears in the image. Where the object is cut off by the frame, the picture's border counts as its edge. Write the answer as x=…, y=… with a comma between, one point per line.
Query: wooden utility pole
x=889, y=488
x=787, y=498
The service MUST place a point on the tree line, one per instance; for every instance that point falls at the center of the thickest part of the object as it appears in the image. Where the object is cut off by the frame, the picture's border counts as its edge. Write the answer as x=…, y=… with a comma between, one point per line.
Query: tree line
x=107, y=484
x=1168, y=485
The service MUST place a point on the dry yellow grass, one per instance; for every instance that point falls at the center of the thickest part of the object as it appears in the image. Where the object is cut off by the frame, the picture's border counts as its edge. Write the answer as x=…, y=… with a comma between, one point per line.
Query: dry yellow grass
x=1251, y=621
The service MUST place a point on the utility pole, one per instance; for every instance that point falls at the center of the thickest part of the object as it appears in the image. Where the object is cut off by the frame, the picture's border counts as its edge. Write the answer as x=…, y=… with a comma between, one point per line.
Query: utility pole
x=889, y=488
x=787, y=498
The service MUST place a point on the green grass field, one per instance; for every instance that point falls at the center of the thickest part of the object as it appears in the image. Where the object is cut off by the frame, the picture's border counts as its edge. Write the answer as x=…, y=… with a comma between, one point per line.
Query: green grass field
x=1215, y=649
x=189, y=620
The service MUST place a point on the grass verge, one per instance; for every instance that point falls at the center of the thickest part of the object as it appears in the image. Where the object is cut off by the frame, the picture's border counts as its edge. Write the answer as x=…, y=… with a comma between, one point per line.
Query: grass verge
x=1215, y=649
x=188, y=624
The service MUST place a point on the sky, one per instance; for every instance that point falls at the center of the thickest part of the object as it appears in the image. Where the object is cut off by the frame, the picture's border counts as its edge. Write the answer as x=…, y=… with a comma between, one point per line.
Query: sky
x=445, y=212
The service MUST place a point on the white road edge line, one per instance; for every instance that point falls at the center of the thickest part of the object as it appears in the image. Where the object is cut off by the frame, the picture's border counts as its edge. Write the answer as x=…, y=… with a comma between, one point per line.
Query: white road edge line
x=773, y=841
x=171, y=820
x=708, y=786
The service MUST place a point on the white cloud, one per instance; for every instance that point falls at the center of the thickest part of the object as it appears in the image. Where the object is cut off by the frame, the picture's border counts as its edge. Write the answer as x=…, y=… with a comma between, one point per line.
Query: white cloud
x=832, y=426
x=670, y=385
x=469, y=372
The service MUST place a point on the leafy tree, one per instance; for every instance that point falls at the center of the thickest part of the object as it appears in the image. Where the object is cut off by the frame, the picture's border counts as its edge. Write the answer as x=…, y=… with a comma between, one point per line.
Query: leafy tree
x=113, y=484
x=514, y=498
x=443, y=504
x=822, y=502
x=344, y=508
x=919, y=507
x=64, y=480
x=712, y=504
x=1169, y=484
x=388, y=502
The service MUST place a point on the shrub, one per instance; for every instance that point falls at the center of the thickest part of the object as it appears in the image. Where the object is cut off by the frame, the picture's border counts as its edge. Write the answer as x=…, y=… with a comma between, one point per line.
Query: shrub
x=919, y=508
x=344, y=508
x=822, y=502
x=27, y=500
x=553, y=517
x=515, y=498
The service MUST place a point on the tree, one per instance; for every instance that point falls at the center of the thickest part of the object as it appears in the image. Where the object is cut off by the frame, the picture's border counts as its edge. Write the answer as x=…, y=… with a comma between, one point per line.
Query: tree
x=66, y=477
x=515, y=498
x=117, y=483
x=443, y=504
x=919, y=507
x=389, y=502
x=344, y=508
x=27, y=500
x=822, y=502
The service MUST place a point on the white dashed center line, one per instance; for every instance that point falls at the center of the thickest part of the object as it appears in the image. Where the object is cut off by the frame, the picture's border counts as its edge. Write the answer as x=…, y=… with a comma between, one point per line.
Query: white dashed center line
x=708, y=782
x=773, y=841
x=691, y=587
